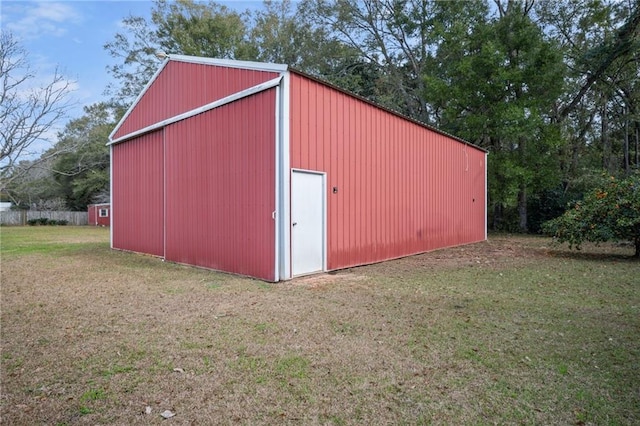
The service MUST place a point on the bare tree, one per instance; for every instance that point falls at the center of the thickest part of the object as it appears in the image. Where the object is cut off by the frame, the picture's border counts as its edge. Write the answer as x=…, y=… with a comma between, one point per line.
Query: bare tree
x=28, y=113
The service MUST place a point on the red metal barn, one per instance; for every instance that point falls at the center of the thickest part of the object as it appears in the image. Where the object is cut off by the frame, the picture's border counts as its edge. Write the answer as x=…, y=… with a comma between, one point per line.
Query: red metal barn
x=261, y=170
x=99, y=214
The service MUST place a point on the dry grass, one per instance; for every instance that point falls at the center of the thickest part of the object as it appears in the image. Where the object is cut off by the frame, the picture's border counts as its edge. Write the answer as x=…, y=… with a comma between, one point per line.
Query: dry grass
x=511, y=331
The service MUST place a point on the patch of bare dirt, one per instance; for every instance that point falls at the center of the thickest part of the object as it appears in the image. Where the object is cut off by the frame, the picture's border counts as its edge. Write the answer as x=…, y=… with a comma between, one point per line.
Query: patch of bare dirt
x=497, y=252
x=319, y=281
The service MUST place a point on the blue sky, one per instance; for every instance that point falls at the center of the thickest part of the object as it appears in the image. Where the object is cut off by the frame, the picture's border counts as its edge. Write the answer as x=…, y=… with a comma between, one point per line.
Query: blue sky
x=70, y=35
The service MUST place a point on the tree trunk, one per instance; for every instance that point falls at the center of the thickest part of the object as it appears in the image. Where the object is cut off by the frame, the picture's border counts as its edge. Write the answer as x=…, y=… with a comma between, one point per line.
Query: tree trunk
x=604, y=137
x=637, y=156
x=522, y=208
x=497, y=216
x=637, y=255
x=522, y=193
x=627, y=162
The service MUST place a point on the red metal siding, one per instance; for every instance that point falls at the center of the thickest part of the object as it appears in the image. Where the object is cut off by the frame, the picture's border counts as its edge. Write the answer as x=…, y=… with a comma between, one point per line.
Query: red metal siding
x=104, y=220
x=402, y=188
x=93, y=214
x=220, y=188
x=137, y=208
x=181, y=87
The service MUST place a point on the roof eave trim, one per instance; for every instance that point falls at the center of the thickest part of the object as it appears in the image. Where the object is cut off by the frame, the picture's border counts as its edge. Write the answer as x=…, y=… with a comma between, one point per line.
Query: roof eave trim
x=220, y=102
x=231, y=63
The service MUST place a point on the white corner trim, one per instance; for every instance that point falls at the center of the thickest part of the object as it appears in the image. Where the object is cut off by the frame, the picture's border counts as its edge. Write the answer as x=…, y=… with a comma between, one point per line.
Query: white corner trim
x=285, y=178
x=220, y=102
x=278, y=167
x=486, y=194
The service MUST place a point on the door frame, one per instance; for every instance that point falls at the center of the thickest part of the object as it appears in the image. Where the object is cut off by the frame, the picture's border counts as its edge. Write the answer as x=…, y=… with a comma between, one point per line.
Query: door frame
x=324, y=220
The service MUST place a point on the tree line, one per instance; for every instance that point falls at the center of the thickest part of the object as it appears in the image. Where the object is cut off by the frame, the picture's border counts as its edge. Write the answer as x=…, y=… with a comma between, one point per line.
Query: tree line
x=550, y=89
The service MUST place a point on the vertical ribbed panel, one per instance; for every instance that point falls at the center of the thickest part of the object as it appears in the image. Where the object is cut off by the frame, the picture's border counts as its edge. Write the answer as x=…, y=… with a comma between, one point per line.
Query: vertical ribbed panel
x=92, y=215
x=182, y=86
x=402, y=188
x=137, y=199
x=220, y=168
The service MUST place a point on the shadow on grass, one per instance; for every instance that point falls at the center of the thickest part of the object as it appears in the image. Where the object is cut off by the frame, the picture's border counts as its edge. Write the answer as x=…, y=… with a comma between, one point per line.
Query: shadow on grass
x=591, y=256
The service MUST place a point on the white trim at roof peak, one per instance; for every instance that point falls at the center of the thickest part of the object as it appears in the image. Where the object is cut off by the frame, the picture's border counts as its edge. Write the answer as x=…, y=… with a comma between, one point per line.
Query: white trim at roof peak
x=232, y=63
x=215, y=104
x=137, y=99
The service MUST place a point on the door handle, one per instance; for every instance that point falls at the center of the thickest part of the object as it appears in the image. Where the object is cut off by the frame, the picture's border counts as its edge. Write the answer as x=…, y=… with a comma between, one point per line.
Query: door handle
x=294, y=223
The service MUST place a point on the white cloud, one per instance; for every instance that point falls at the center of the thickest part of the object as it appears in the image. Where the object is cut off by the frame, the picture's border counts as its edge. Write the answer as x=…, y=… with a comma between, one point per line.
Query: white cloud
x=31, y=20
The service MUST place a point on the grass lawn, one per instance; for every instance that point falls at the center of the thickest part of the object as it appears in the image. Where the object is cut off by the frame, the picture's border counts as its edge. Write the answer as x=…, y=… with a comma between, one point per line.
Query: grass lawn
x=510, y=331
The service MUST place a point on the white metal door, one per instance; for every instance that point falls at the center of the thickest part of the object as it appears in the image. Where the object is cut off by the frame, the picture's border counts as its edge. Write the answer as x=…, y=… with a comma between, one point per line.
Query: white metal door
x=307, y=222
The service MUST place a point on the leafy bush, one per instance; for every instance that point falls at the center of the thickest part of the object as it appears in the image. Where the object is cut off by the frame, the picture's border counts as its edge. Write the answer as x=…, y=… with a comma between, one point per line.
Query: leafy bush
x=40, y=221
x=45, y=221
x=608, y=213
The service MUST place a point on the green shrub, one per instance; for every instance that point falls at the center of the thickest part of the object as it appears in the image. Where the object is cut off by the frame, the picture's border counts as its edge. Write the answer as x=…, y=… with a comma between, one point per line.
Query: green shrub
x=608, y=213
x=40, y=221
x=45, y=221
x=55, y=222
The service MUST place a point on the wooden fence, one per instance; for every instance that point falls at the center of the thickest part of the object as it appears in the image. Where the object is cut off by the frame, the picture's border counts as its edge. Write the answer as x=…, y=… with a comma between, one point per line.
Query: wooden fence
x=21, y=217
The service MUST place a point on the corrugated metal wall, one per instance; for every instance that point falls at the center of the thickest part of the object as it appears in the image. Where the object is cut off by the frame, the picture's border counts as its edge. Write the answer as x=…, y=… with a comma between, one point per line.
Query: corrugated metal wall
x=220, y=168
x=93, y=213
x=137, y=199
x=181, y=87
x=401, y=188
